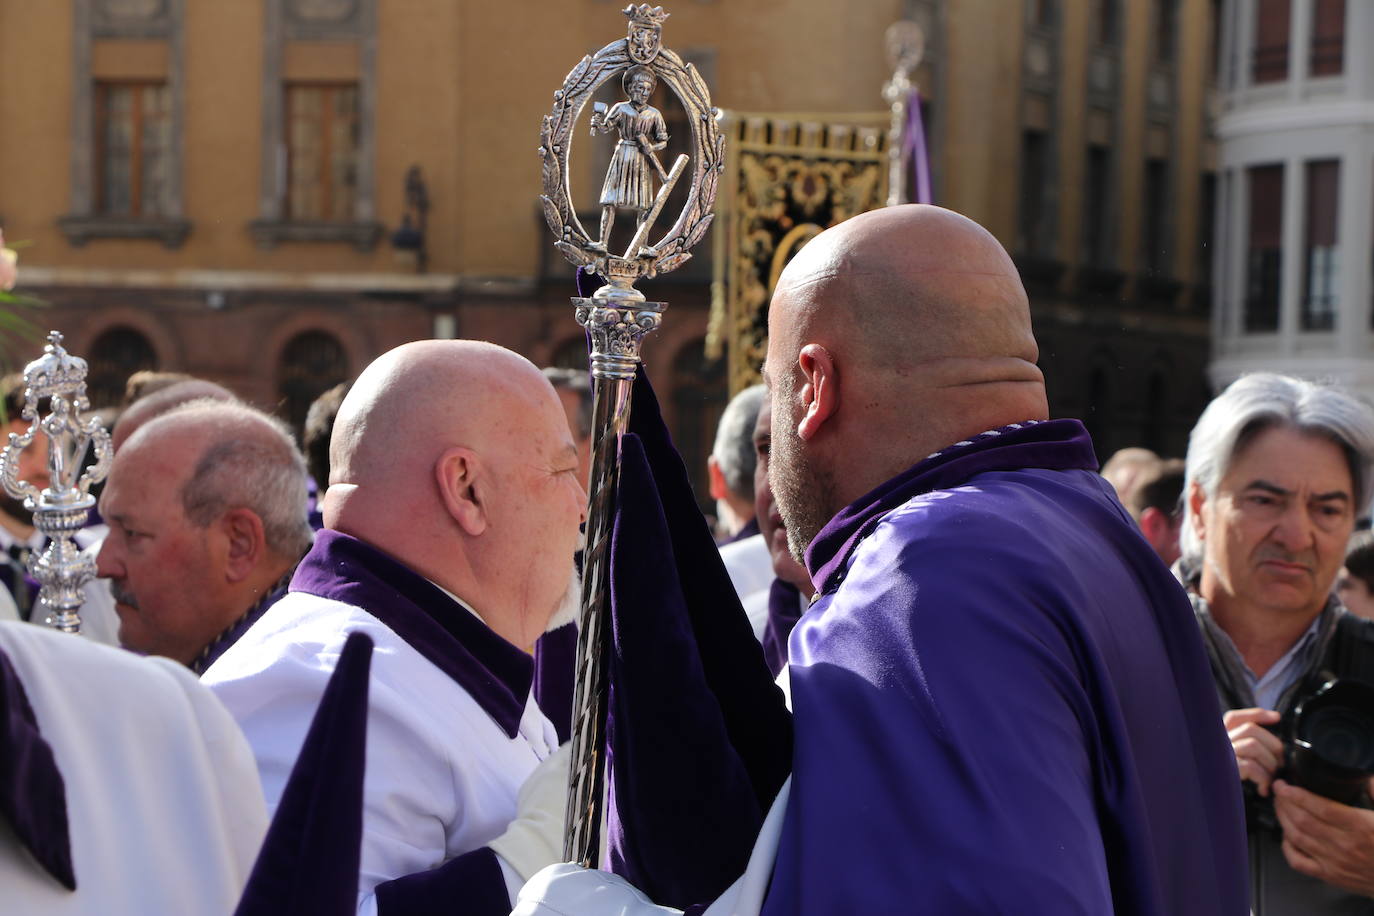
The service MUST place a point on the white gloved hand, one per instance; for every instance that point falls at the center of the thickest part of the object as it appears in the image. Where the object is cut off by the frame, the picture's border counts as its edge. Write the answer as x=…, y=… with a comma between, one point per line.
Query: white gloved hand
x=535, y=838
x=571, y=890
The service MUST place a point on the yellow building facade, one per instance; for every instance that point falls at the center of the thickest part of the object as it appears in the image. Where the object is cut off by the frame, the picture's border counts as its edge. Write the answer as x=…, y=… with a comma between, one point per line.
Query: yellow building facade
x=221, y=188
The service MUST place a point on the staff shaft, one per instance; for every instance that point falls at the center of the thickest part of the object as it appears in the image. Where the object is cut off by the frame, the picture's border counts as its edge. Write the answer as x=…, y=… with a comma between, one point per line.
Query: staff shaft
x=582, y=842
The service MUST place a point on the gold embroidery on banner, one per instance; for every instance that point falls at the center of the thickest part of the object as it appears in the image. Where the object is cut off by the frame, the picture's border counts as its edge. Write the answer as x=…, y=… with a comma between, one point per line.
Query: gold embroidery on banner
x=787, y=177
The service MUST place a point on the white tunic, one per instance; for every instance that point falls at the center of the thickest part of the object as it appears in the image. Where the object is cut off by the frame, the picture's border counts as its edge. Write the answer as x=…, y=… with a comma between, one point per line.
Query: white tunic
x=164, y=808
x=441, y=775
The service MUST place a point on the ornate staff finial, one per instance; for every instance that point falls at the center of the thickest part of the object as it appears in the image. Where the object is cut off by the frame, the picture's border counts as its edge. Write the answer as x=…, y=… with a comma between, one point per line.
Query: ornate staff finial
x=646, y=31
x=617, y=317
x=906, y=45
x=60, y=510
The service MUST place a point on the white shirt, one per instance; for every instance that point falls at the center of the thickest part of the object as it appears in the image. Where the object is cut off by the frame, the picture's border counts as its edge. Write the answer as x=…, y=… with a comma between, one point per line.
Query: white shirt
x=441, y=775
x=750, y=566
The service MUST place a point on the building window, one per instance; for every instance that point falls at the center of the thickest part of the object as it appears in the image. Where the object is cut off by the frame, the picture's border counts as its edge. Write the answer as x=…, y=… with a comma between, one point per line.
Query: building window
x=1156, y=412
x=1207, y=229
x=1321, y=251
x=1154, y=240
x=1264, y=254
x=1097, y=410
x=1166, y=21
x=1106, y=24
x=133, y=148
x=1328, y=38
x=1270, y=64
x=311, y=364
x=321, y=151
x=114, y=356
x=1040, y=13
x=1097, y=194
x=1214, y=63
x=1034, y=232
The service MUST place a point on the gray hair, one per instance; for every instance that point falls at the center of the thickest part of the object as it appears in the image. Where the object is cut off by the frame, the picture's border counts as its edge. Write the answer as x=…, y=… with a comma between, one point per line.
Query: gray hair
x=1262, y=401
x=251, y=462
x=734, y=447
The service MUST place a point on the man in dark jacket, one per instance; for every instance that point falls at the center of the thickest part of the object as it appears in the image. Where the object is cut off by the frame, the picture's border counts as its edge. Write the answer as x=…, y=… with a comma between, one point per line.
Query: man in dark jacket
x=1278, y=469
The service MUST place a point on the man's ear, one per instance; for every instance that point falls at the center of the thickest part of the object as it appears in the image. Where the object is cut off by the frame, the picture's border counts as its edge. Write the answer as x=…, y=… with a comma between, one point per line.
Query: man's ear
x=247, y=543
x=1197, y=499
x=462, y=486
x=1154, y=525
x=717, y=479
x=820, y=393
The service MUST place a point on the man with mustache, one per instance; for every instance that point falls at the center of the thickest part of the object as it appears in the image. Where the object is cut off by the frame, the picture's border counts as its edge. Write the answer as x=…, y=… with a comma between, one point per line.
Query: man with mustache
x=205, y=504
x=1278, y=470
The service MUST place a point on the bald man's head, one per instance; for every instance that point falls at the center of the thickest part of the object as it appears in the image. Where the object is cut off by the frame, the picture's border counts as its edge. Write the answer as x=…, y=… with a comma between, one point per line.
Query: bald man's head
x=411, y=402
x=908, y=286
x=906, y=328
x=456, y=457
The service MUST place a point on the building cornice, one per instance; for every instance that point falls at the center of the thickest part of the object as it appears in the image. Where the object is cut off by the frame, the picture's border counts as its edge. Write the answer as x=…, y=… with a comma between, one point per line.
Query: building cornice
x=36, y=276
x=1285, y=118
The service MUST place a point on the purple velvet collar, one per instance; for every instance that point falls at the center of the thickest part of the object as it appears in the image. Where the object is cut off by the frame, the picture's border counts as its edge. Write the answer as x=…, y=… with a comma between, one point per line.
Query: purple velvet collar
x=33, y=795
x=495, y=673
x=1051, y=444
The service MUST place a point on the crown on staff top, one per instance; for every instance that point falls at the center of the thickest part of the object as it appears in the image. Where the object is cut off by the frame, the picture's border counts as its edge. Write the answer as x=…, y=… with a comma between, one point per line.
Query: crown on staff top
x=644, y=14
x=56, y=372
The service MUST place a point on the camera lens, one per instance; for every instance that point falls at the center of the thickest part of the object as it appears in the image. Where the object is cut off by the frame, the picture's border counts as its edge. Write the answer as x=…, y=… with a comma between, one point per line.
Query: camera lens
x=1342, y=735
x=1332, y=751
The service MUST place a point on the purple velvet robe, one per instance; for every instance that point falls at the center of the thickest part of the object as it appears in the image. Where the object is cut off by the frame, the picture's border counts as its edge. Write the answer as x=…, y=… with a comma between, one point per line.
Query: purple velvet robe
x=1001, y=703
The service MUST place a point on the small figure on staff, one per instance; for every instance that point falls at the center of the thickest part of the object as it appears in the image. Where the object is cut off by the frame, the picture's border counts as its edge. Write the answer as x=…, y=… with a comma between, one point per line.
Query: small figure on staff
x=630, y=177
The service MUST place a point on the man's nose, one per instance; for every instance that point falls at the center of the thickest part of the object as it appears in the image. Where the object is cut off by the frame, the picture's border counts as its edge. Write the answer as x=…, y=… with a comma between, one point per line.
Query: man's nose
x=107, y=562
x=1294, y=530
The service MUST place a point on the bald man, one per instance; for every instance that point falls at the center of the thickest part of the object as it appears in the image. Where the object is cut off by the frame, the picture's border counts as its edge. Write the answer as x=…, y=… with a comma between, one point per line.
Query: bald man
x=451, y=521
x=1000, y=703
x=206, y=512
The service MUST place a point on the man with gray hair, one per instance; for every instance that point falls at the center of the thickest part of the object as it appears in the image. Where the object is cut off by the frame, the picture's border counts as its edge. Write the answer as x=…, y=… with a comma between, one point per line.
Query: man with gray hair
x=1278, y=470
x=731, y=468
x=731, y=465
x=207, y=514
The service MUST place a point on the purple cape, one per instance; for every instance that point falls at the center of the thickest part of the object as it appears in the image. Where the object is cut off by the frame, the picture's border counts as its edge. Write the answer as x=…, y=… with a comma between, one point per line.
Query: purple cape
x=1002, y=705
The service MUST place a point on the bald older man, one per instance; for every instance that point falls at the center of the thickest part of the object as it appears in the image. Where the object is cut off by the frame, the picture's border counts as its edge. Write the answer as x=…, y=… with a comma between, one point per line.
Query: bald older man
x=450, y=528
x=999, y=702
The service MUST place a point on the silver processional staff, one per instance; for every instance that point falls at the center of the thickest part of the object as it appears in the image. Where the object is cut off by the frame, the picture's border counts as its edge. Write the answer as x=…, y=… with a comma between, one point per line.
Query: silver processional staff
x=60, y=510
x=617, y=317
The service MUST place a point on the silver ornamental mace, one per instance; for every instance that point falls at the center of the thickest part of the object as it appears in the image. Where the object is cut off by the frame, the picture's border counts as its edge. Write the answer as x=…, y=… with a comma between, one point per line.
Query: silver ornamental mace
x=61, y=509
x=617, y=318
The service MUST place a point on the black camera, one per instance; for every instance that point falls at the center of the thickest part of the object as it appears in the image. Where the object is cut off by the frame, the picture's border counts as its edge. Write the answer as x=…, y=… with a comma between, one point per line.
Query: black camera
x=1328, y=749
x=1331, y=747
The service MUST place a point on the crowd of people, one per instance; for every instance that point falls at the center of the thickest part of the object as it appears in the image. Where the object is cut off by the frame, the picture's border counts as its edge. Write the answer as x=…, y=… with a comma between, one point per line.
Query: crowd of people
x=938, y=660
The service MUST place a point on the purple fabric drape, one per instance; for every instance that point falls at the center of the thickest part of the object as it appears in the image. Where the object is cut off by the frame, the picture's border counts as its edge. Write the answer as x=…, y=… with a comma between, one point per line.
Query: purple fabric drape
x=309, y=860
x=33, y=795
x=699, y=737
x=915, y=151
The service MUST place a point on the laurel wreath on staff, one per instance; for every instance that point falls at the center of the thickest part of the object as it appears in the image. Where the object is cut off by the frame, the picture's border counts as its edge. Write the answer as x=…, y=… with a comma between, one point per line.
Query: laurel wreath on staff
x=708, y=147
